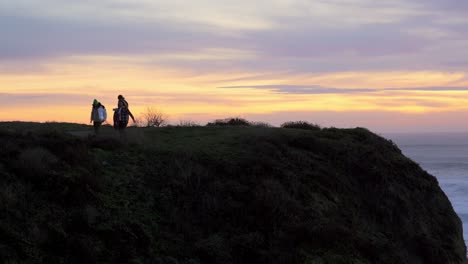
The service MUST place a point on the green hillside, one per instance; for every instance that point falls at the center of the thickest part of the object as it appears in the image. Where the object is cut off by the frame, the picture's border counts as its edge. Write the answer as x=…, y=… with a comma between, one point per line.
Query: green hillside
x=218, y=195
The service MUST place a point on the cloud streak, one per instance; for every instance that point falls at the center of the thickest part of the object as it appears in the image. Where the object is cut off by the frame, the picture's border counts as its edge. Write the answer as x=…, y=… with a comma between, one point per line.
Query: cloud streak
x=31, y=100
x=314, y=36
x=241, y=56
x=317, y=89
x=33, y=37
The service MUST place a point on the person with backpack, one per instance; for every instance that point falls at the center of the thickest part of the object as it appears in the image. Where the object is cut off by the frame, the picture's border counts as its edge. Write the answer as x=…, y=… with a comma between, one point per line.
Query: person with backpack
x=98, y=115
x=121, y=115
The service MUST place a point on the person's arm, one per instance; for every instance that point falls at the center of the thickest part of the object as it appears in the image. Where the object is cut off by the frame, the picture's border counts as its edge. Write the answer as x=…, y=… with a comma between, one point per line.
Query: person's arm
x=130, y=114
x=91, y=118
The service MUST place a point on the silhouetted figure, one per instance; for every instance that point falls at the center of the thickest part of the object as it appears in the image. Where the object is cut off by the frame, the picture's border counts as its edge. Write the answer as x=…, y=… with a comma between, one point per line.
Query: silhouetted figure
x=121, y=115
x=98, y=115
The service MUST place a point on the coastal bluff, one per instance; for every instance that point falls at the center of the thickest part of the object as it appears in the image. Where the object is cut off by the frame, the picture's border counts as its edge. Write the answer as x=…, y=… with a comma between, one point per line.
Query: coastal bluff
x=197, y=195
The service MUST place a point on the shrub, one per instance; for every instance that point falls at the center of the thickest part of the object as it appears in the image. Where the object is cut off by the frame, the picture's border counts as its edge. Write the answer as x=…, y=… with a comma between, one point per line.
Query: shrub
x=300, y=125
x=234, y=121
x=153, y=117
x=187, y=123
x=261, y=124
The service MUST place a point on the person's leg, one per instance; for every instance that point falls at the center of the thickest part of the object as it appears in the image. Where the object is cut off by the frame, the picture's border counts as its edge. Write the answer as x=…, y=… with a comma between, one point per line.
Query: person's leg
x=123, y=134
x=97, y=125
x=96, y=128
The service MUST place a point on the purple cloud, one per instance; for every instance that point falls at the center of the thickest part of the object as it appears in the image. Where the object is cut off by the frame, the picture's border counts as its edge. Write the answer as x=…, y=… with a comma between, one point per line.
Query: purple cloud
x=309, y=41
x=299, y=44
x=33, y=37
x=34, y=99
x=444, y=5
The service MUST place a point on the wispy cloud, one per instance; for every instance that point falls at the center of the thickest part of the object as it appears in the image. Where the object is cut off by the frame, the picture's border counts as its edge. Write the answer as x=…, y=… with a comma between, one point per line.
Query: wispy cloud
x=317, y=89
x=300, y=89
x=264, y=56
x=34, y=37
x=32, y=100
x=298, y=35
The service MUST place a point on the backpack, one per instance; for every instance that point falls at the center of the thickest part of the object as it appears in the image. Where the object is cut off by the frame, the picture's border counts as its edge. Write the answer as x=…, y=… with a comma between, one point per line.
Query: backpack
x=102, y=114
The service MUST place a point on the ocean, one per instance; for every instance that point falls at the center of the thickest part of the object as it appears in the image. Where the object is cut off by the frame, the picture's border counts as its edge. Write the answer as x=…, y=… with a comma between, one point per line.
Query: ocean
x=444, y=155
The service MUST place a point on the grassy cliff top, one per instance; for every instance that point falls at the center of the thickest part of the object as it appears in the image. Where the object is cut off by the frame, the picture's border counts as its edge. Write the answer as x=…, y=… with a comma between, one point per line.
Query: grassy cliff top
x=218, y=195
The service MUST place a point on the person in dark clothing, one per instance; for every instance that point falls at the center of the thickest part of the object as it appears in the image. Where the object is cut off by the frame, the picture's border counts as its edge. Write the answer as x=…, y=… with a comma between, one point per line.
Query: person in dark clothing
x=122, y=114
x=98, y=115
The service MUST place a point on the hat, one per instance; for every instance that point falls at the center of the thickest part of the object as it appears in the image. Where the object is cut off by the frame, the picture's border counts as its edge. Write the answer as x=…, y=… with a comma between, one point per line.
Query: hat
x=95, y=102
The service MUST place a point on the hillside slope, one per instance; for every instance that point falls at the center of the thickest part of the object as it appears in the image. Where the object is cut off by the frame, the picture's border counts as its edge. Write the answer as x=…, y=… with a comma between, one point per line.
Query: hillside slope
x=219, y=195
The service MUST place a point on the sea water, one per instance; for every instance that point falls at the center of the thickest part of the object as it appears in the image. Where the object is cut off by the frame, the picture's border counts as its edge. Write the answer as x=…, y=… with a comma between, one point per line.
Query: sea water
x=444, y=155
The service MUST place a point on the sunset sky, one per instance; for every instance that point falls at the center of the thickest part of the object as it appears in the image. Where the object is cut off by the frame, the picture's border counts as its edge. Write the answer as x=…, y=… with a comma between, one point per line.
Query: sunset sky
x=390, y=65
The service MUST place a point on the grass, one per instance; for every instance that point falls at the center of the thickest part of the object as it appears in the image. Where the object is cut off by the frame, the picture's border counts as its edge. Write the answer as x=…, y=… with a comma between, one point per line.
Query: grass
x=218, y=194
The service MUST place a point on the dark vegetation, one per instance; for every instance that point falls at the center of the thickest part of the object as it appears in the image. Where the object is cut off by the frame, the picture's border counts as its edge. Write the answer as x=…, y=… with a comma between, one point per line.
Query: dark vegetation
x=218, y=194
x=153, y=117
x=300, y=125
x=237, y=121
x=233, y=121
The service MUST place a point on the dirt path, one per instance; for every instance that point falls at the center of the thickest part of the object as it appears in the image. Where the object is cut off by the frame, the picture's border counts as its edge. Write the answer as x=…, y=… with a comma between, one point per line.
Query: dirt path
x=132, y=135
x=90, y=132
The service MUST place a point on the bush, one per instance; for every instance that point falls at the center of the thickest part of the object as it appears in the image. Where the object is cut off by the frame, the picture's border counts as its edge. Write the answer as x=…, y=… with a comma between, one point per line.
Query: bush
x=261, y=124
x=187, y=123
x=234, y=121
x=300, y=125
x=152, y=117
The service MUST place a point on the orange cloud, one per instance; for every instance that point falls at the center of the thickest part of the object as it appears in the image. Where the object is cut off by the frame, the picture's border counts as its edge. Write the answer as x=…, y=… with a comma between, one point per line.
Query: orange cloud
x=181, y=92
